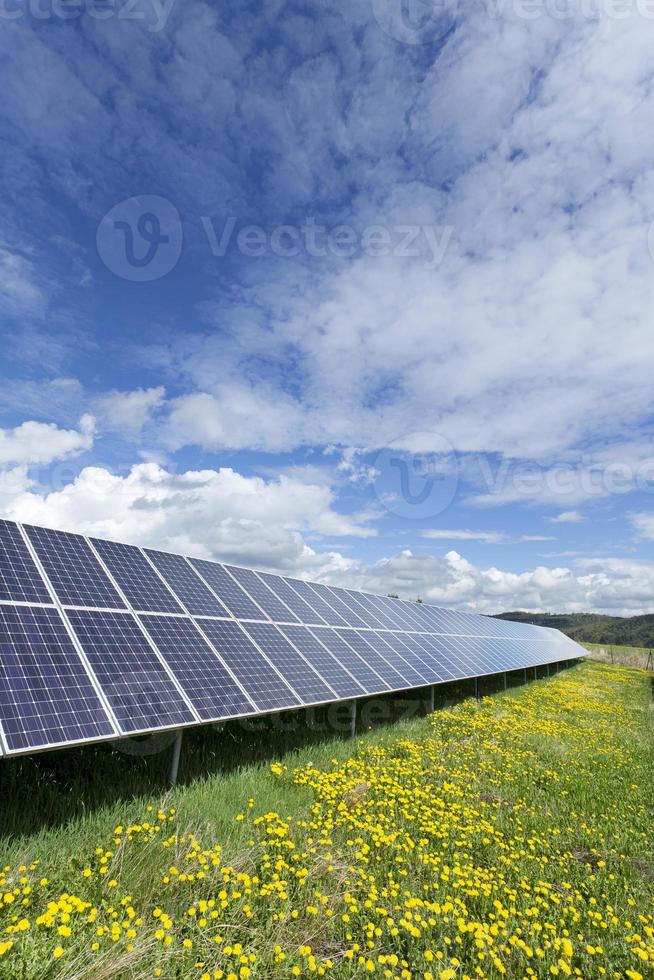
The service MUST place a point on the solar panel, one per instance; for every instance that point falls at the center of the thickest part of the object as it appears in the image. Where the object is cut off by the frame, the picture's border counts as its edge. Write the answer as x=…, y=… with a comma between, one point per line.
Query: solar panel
x=187, y=584
x=375, y=618
x=407, y=670
x=408, y=659
x=136, y=578
x=203, y=677
x=317, y=603
x=335, y=674
x=262, y=595
x=20, y=579
x=367, y=648
x=401, y=613
x=46, y=695
x=365, y=612
x=371, y=681
x=74, y=572
x=296, y=671
x=228, y=591
x=210, y=641
x=304, y=612
x=140, y=692
x=432, y=655
x=345, y=611
x=254, y=672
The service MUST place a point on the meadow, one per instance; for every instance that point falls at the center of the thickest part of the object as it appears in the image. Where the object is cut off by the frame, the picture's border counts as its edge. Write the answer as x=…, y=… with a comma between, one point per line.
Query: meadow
x=510, y=837
x=625, y=655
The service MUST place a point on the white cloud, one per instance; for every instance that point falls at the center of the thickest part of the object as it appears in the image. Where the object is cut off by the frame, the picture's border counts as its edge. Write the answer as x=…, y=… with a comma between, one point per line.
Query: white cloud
x=513, y=344
x=567, y=517
x=201, y=513
x=643, y=524
x=129, y=410
x=614, y=586
x=235, y=416
x=217, y=513
x=39, y=442
x=20, y=293
x=488, y=537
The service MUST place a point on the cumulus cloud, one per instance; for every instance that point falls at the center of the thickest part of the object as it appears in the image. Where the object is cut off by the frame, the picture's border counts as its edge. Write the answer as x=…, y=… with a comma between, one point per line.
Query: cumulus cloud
x=614, y=586
x=39, y=442
x=204, y=512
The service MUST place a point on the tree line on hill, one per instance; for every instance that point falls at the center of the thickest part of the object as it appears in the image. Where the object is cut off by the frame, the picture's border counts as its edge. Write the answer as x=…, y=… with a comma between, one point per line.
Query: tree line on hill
x=631, y=631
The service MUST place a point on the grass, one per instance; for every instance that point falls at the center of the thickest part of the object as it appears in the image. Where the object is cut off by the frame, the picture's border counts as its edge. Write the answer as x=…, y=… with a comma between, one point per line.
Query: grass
x=507, y=838
x=625, y=655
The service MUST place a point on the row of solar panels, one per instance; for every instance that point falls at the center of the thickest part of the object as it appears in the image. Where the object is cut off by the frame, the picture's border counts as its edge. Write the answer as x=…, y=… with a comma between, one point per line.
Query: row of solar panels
x=99, y=640
x=103, y=574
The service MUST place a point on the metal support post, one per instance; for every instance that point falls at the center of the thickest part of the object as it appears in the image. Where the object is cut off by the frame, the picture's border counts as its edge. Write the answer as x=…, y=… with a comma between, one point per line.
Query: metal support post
x=505, y=681
x=174, y=766
x=353, y=718
x=431, y=700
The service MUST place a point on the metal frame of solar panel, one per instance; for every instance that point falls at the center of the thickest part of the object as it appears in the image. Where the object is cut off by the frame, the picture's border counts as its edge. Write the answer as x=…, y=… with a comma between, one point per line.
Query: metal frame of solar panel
x=100, y=641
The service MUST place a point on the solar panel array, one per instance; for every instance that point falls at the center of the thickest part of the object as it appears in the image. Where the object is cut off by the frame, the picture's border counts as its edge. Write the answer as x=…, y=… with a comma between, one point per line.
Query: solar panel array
x=99, y=640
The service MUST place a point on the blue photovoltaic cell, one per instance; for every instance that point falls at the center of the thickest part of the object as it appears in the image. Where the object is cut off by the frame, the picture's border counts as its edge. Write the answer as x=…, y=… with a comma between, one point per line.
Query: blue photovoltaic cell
x=213, y=662
x=255, y=675
x=304, y=612
x=20, y=579
x=375, y=658
x=228, y=591
x=203, y=678
x=305, y=592
x=373, y=616
x=262, y=595
x=136, y=578
x=46, y=695
x=369, y=680
x=141, y=694
x=426, y=651
x=325, y=663
x=294, y=669
x=344, y=610
x=187, y=585
x=365, y=614
x=75, y=573
x=392, y=611
x=403, y=660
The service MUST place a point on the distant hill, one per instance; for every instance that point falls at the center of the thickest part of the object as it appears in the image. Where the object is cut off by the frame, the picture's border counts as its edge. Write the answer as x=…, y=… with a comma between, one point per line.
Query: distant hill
x=632, y=631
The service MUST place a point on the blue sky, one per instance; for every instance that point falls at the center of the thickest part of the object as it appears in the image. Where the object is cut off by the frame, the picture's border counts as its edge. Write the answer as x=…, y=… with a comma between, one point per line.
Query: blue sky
x=364, y=294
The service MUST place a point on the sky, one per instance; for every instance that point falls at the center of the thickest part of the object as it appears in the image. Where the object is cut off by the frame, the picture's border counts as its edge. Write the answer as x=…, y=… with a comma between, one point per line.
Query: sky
x=358, y=292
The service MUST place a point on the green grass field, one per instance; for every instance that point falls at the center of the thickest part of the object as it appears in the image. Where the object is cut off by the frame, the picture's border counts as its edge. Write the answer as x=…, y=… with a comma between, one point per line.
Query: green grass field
x=625, y=655
x=506, y=838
